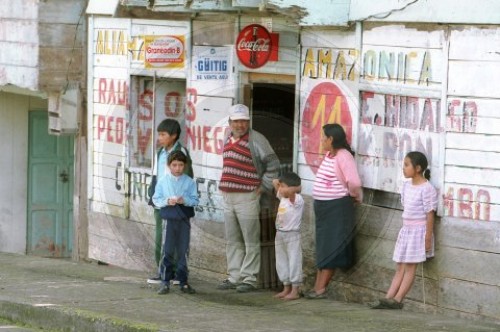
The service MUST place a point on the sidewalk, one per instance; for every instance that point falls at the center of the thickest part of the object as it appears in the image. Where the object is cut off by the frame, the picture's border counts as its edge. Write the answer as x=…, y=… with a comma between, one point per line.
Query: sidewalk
x=68, y=296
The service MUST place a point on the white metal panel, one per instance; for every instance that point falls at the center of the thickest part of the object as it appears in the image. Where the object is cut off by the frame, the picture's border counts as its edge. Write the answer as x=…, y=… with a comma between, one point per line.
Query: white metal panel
x=328, y=38
x=480, y=37
x=444, y=11
x=467, y=78
x=473, y=141
x=100, y=23
x=158, y=27
x=476, y=159
x=426, y=36
x=99, y=7
x=332, y=12
x=471, y=176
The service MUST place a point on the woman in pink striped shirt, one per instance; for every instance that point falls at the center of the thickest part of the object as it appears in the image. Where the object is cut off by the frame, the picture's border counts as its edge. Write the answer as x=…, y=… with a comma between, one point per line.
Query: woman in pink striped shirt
x=415, y=241
x=336, y=188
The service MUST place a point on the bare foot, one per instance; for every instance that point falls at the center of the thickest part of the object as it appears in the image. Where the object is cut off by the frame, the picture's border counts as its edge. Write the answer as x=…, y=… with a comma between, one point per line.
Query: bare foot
x=282, y=294
x=292, y=296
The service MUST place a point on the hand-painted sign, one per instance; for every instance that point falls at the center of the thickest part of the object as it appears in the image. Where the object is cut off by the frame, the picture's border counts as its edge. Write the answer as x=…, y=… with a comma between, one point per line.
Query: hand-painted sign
x=326, y=103
x=164, y=51
x=254, y=46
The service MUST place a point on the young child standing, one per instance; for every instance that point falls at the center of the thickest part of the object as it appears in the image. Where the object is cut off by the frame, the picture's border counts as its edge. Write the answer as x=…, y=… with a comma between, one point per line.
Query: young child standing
x=288, y=243
x=415, y=241
x=176, y=195
x=169, y=132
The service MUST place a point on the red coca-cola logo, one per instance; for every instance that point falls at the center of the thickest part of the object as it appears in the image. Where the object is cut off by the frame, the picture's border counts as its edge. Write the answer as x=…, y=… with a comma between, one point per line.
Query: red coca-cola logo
x=253, y=46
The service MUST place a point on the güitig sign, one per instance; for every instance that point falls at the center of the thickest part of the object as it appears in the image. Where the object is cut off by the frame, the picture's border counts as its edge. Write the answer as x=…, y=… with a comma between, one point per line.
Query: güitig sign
x=164, y=51
x=253, y=46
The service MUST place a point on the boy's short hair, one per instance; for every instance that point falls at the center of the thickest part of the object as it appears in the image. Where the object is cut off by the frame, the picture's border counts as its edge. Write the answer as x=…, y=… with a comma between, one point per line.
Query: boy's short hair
x=177, y=156
x=171, y=126
x=291, y=179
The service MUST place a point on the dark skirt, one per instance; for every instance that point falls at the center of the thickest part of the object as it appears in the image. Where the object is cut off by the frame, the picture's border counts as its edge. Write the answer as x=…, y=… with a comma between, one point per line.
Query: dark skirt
x=334, y=233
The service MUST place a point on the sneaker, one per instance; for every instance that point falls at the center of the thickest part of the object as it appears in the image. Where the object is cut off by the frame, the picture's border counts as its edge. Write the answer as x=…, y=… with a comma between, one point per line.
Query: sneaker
x=164, y=289
x=226, y=284
x=175, y=282
x=154, y=280
x=188, y=289
x=245, y=288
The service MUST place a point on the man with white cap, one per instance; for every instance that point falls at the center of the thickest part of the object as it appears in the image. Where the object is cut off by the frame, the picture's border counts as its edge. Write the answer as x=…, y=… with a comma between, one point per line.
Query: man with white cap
x=249, y=167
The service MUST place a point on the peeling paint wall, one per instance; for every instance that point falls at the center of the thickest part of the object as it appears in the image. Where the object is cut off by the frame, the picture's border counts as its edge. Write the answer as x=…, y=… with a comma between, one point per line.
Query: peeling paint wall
x=432, y=11
x=19, y=42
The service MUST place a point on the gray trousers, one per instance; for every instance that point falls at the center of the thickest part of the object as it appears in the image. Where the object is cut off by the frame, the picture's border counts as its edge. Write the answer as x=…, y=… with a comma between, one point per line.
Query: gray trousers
x=242, y=226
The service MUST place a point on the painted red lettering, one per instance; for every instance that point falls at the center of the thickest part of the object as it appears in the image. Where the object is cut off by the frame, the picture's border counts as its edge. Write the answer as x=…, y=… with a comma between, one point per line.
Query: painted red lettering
x=101, y=125
x=173, y=105
x=206, y=139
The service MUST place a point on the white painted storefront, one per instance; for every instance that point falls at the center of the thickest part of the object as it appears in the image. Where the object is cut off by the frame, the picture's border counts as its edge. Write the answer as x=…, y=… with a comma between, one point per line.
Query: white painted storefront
x=394, y=88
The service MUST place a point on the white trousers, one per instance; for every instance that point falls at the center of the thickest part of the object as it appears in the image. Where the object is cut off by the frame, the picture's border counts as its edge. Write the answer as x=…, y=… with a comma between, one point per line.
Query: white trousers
x=289, y=257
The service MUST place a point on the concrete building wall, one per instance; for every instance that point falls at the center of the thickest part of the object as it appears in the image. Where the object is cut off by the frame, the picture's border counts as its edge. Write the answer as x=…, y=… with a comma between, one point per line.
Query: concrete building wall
x=14, y=165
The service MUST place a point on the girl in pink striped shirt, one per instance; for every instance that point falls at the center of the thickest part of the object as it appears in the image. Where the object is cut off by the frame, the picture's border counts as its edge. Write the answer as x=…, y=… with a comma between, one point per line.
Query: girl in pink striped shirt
x=415, y=241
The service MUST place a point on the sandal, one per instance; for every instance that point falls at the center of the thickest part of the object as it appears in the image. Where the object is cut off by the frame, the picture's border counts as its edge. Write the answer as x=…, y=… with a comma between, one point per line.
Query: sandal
x=312, y=295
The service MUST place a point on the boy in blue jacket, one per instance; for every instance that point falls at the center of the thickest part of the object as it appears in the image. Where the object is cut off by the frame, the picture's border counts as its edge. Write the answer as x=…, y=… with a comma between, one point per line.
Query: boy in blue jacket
x=175, y=195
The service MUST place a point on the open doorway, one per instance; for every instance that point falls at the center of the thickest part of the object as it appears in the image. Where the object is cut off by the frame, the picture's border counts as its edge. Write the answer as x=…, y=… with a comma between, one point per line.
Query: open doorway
x=273, y=111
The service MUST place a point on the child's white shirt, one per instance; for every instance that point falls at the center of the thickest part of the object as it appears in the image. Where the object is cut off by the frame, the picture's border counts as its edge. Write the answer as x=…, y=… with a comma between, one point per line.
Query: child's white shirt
x=289, y=214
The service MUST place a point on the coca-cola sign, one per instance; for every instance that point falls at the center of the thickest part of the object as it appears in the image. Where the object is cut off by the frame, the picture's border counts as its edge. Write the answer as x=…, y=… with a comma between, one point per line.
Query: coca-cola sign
x=253, y=46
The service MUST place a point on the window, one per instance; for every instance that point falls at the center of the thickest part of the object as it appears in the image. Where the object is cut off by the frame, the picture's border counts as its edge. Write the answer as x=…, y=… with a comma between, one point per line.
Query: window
x=152, y=100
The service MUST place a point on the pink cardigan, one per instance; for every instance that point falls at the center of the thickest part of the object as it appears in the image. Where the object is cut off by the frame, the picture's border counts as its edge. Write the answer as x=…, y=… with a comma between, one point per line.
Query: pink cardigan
x=348, y=174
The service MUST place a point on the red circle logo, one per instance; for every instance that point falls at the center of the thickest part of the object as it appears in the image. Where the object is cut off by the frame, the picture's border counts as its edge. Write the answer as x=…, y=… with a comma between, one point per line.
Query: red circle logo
x=253, y=46
x=325, y=104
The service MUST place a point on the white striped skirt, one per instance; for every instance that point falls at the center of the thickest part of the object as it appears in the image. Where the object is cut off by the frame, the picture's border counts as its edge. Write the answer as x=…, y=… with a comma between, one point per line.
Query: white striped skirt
x=410, y=246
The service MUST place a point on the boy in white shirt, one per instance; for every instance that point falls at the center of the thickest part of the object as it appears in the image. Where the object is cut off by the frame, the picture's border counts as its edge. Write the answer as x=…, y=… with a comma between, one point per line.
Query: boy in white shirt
x=288, y=243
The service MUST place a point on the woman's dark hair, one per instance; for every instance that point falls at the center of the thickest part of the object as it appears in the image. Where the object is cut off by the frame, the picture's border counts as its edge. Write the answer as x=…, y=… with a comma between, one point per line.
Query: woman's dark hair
x=171, y=126
x=419, y=159
x=339, y=138
x=177, y=156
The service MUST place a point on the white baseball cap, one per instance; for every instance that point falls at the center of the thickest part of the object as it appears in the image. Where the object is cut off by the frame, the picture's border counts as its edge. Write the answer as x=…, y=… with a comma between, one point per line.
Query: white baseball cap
x=239, y=112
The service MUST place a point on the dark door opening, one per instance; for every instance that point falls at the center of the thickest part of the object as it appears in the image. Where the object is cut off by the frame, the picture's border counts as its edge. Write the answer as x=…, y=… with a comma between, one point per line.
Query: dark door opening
x=273, y=110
